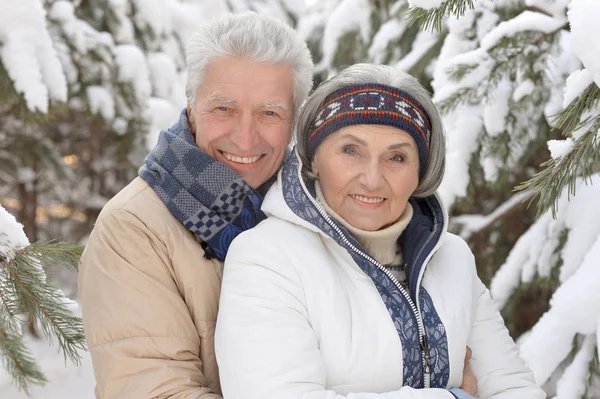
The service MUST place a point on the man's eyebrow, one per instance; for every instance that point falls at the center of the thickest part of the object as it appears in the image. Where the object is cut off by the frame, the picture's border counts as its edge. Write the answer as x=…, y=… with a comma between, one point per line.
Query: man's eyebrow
x=276, y=104
x=220, y=99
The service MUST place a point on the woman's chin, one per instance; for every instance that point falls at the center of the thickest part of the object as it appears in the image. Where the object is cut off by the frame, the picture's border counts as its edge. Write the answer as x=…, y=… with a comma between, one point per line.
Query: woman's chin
x=366, y=225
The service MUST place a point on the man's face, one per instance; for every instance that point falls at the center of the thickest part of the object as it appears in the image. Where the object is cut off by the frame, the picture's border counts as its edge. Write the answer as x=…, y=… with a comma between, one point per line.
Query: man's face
x=243, y=116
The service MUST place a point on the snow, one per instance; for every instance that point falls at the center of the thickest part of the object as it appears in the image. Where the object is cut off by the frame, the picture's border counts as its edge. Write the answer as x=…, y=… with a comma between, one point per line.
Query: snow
x=575, y=309
x=101, y=102
x=578, y=214
x=164, y=77
x=65, y=380
x=150, y=14
x=349, y=16
x=12, y=236
x=161, y=114
x=556, y=8
x=560, y=148
x=582, y=218
x=526, y=21
x=423, y=43
x=61, y=11
x=466, y=127
x=577, y=82
x=390, y=30
x=473, y=223
x=583, y=19
x=132, y=68
x=575, y=306
x=426, y=4
x=525, y=89
x=559, y=67
x=497, y=109
x=124, y=30
x=572, y=384
x=28, y=54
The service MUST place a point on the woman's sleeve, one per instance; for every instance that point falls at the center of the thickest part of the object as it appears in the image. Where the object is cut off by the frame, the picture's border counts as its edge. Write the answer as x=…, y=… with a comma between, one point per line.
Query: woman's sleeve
x=501, y=372
x=265, y=345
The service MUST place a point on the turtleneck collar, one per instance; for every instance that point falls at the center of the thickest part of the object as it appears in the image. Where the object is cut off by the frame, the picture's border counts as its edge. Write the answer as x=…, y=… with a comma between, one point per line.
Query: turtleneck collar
x=380, y=244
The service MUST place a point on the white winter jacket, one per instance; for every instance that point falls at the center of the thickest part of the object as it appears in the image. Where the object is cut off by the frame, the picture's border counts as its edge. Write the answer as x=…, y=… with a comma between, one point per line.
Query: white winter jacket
x=305, y=313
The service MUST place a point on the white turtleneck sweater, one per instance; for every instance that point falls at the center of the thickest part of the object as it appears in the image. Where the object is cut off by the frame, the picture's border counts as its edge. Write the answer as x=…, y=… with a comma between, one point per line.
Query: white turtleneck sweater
x=380, y=244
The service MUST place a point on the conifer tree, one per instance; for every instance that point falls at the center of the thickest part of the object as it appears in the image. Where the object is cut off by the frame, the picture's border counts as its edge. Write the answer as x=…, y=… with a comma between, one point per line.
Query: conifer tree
x=529, y=77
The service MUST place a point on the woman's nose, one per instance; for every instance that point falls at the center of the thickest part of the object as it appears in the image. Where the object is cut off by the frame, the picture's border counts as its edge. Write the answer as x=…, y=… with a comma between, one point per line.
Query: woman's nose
x=372, y=177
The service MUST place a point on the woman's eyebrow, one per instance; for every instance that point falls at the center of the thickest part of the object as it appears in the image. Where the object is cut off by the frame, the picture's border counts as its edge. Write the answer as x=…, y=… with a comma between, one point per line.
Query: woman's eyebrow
x=399, y=145
x=354, y=138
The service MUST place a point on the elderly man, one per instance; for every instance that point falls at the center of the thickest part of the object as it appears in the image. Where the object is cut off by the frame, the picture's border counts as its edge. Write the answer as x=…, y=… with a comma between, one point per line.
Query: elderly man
x=150, y=276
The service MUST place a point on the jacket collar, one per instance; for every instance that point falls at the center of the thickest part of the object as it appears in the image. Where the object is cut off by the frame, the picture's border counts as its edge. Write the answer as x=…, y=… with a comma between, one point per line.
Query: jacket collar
x=293, y=199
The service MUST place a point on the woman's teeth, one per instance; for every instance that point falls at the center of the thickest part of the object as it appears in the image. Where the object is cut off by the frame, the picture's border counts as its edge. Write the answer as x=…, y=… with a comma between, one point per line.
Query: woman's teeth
x=368, y=200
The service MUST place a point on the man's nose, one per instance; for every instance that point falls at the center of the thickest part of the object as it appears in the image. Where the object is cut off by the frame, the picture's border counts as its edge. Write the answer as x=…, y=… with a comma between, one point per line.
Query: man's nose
x=245, y=135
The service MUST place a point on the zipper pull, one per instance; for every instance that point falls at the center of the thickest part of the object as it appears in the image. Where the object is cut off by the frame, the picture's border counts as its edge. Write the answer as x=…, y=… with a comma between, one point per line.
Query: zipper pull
x=425, y=348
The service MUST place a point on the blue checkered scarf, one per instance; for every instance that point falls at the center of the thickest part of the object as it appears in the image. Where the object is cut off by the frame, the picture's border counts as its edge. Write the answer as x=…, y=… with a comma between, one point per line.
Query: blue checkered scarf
x=209, y=198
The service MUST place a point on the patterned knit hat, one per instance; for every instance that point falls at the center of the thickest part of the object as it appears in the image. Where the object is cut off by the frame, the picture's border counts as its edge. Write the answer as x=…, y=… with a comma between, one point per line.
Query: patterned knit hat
x=372, y=104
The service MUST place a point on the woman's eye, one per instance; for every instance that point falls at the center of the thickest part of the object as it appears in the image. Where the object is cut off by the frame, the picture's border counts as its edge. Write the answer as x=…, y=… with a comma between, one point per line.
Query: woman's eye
x=399, y=158
x=350, y=150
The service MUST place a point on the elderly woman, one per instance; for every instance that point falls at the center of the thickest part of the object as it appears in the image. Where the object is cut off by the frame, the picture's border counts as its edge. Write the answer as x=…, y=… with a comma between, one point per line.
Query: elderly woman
x=353, y=288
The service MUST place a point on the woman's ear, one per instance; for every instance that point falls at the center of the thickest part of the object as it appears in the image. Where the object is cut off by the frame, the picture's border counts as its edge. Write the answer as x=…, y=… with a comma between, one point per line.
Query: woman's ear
x=313, y=168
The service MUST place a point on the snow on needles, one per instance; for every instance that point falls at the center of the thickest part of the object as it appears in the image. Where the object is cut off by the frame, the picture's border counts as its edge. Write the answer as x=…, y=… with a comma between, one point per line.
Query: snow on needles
x=575, y=306
x=350, y=15
x=12, y=236
x=426, y=4
x=28, y=55
x=573, y=382
x=583, y=17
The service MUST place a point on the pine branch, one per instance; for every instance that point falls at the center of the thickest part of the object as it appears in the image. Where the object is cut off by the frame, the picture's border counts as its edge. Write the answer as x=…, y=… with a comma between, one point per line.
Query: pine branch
x=568, y=119
x=582, y=160
x=17, y=360
x=45, y=302
x=53, y=254
x=510, y=55
x=480, y=224
x=432, y=19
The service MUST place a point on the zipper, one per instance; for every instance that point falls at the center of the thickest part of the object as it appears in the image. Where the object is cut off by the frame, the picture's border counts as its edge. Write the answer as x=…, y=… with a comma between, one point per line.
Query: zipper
x=414, y=308
x=426, y=362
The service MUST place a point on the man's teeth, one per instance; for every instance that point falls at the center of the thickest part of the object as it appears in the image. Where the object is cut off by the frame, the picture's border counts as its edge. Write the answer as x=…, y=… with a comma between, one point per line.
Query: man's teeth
x=368, y=200
x=234, y=158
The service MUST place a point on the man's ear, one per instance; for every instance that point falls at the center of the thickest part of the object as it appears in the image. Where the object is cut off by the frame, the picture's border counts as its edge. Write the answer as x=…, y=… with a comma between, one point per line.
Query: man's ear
x=191, y=119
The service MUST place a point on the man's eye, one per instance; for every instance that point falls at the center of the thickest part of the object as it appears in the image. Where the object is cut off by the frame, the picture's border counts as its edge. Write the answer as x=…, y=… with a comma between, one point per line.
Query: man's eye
x=271, y=113
x=222, y=108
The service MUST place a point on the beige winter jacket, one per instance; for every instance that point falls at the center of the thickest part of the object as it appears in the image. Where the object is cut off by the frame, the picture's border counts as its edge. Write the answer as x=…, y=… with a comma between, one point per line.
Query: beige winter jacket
x=149, y=300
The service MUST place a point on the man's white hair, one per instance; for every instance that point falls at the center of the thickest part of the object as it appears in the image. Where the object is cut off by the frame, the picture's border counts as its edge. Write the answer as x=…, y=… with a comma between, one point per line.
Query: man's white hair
x=249, y=36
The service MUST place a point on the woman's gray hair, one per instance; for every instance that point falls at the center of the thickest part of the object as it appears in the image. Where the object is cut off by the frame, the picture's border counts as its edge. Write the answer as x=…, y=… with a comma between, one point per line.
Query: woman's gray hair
x=249, y=36
x=381, y=74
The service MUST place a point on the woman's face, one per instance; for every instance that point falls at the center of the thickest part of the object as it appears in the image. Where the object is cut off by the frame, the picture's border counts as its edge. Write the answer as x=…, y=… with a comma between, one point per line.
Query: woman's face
x=367, y=173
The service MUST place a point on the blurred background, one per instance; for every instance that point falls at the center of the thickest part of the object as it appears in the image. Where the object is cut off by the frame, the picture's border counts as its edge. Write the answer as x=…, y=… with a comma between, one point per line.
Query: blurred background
x=86, y=86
